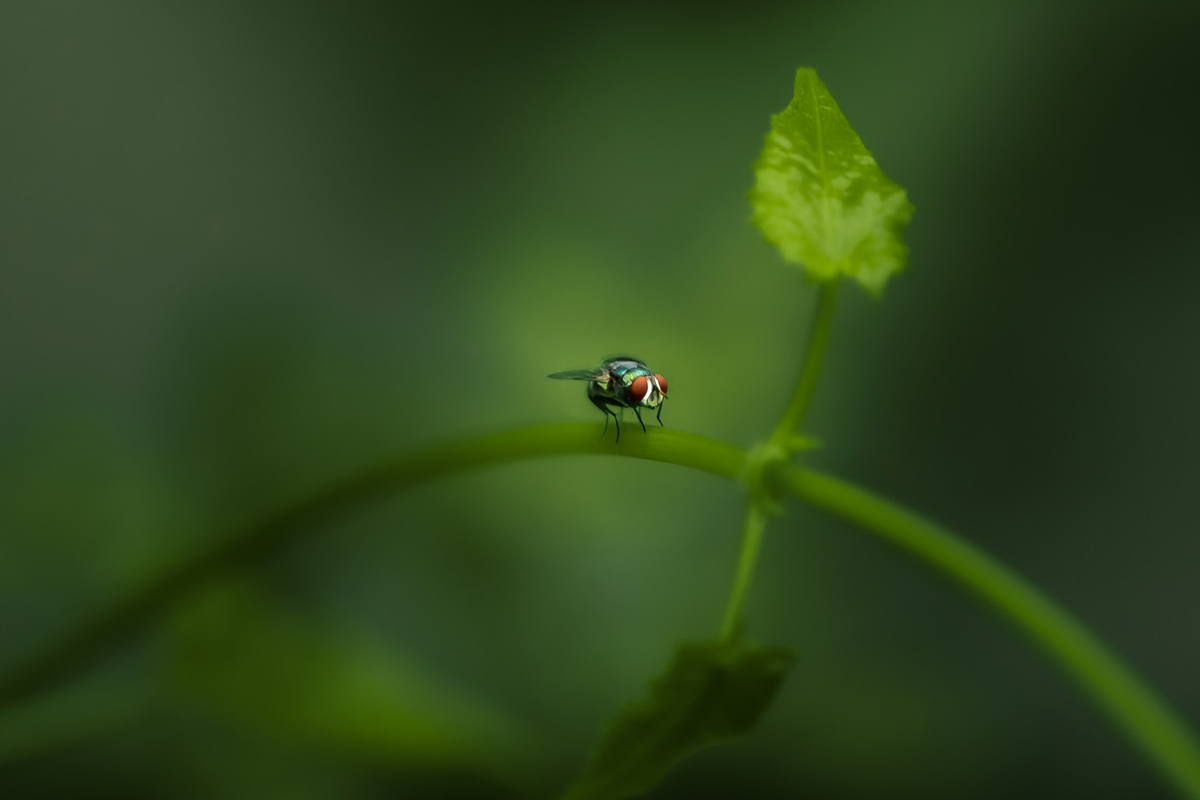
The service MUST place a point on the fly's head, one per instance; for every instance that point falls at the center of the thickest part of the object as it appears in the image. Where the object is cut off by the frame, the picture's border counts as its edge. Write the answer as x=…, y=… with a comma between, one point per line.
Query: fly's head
x=648, y=391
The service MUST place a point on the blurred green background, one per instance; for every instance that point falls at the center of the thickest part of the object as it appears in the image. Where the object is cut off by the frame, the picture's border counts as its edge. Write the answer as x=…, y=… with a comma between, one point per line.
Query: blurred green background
x=246, y=248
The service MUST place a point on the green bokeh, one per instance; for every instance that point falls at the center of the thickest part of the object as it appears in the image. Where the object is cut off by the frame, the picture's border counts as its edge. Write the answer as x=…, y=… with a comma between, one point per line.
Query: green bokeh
x=247, y=248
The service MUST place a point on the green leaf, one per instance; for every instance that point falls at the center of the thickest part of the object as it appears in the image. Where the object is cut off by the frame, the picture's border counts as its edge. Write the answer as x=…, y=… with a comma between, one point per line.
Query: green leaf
x=820, y=197
x=710, y=692
x=254, y=662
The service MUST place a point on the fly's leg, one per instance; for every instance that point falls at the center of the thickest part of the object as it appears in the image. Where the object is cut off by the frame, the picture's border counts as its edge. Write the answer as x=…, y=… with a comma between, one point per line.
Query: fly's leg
x=600, y=404
x=638, y=411
x=659, y=415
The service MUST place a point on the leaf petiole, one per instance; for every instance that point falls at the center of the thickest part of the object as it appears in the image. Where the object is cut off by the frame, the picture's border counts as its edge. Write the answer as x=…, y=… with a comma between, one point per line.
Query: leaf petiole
x=785, y=433
x=752, y=532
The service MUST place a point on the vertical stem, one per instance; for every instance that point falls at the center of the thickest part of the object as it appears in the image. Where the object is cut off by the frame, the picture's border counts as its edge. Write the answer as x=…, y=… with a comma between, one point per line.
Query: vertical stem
x=789, y=424
x=752, y=533
x=780, y=442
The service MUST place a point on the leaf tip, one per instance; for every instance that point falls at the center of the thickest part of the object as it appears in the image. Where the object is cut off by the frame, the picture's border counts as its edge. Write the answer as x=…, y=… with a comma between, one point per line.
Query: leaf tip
x=820, y=197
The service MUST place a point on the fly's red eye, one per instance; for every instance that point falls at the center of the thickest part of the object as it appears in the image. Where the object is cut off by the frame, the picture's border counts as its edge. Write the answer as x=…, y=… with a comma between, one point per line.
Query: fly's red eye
x=639, y=389
x=662, y=383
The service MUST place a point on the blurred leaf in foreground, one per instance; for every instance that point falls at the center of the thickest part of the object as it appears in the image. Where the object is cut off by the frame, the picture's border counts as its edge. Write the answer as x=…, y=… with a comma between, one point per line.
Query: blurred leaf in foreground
x=251, y=660
x=820, y=197
x=711, y=691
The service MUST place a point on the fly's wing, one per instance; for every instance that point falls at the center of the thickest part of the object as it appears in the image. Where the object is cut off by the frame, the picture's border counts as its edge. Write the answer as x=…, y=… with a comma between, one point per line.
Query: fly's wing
x=576, y=375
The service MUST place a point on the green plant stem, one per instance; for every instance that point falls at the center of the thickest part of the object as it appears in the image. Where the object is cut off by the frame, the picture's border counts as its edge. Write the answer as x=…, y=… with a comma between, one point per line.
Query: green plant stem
x=254, y=543
x=1132, y=705
x=810, y=370
x=781, y=442
x=752, y=533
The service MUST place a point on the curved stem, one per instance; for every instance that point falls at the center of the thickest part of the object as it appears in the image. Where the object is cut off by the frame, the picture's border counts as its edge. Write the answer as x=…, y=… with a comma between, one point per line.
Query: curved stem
x=91, y=638
x=1131, y=704
x=752, y=533
x=793, y=416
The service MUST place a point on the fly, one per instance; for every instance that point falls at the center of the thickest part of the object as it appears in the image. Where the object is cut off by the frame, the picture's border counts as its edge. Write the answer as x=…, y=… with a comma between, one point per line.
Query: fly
x=623, y=382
